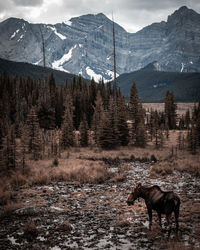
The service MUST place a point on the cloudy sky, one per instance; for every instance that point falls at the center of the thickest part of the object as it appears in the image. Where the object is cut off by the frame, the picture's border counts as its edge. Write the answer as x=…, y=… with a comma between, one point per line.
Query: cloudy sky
x=130, y=14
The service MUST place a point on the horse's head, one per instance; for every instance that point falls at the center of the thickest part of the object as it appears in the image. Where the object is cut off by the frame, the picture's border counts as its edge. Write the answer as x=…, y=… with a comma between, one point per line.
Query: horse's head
x=134, y=194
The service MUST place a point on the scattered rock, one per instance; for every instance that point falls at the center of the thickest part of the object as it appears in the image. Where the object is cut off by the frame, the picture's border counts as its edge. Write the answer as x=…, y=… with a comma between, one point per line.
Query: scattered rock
x=30, y=210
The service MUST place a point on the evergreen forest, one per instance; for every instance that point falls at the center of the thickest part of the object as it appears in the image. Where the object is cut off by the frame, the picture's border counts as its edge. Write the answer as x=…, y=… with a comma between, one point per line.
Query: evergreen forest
x=39, y=119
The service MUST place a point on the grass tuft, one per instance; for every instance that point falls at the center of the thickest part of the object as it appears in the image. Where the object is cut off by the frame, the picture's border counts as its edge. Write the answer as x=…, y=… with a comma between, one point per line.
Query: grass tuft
x=8, y=209
x=65, y=227
x=30, y=230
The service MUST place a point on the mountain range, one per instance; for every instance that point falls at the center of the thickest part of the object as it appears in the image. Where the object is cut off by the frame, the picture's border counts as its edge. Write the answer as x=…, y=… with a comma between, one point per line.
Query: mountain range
x=84, y=45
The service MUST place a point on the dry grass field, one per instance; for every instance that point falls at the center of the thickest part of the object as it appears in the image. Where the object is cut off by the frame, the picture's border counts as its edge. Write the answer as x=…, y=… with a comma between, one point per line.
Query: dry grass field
x=87, y=165
x=181, y=107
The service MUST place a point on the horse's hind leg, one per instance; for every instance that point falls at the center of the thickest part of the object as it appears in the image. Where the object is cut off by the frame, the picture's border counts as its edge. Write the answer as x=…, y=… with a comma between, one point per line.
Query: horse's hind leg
x=176, y=214
x=168, y=217
x=150, y=217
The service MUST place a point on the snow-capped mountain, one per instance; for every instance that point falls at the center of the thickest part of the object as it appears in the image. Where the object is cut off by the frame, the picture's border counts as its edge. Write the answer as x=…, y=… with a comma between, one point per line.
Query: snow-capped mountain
x=84, y=44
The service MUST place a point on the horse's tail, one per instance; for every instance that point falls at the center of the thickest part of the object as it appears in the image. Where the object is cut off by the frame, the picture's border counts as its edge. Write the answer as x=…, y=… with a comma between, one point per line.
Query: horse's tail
x=177, y=201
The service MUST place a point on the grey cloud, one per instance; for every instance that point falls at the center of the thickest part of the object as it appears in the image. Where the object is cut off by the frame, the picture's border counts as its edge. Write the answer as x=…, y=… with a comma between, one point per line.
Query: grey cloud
x=26, y=3
x=5, y=5
x=130, y=14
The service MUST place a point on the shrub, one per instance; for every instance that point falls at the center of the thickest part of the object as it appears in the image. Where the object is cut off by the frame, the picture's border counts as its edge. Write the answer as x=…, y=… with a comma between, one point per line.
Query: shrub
x=9, y=209
x=153, y=158
x=18, y=180
x=132, y=157
x=55, y=162
x=30, y=230
x=65, y=227
x=5, y=196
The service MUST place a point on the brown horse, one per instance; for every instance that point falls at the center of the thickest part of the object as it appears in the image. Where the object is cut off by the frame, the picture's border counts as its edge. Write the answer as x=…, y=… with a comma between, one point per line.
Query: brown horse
x=158, y=200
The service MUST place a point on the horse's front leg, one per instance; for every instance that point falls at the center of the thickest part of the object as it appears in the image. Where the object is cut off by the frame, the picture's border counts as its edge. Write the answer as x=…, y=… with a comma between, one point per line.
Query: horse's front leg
x=150, y=217
x=168, y=217
x=159, y=217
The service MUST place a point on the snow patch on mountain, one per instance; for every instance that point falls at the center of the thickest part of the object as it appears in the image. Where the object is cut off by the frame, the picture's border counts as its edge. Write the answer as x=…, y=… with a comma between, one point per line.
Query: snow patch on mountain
x=93, y=75
x=57, y=34
x=111, y=74
x=159, y=85
x=69, y=23
x=182, y=67
x=157, y=66
x=21, y=37
x=65, y=58
x=14, y=34
x=37, y=62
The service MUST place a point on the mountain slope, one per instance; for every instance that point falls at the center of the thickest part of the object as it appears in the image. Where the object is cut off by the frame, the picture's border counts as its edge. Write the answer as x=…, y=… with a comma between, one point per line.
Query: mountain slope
x=152, y=85
x=84, y=44
x=36, y=72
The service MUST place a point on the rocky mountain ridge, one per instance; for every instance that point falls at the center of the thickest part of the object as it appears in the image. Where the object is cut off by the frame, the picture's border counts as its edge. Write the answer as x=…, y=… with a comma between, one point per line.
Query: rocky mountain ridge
x=84, y=45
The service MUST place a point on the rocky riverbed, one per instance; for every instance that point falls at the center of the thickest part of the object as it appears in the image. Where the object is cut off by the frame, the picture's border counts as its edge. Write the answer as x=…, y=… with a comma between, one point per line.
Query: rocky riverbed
x=96, y=216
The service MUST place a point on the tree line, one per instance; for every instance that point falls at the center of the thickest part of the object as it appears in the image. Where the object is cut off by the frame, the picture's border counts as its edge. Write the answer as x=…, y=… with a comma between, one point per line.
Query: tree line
x=39, y=118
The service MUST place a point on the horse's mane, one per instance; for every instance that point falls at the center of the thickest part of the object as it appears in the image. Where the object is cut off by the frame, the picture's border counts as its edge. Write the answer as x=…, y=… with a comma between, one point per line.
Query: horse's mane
x=156, y=186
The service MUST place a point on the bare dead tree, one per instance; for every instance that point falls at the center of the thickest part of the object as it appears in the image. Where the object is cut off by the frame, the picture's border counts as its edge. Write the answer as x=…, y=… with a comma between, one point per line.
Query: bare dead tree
x=114, y=62
x=43, y=53
x=44, y=67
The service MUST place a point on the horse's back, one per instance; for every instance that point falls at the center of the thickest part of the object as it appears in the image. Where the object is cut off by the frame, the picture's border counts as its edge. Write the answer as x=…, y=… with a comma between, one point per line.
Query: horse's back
x=155, y=194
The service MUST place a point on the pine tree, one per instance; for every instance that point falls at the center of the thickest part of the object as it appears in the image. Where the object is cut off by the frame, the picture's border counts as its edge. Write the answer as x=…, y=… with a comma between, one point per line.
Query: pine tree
x=122, y=126
x=197, y=128
x=134, y=109
x=97, y=117
x=151, y=124
x=109, y=131
x=141, y=136
x=157, y=130
x=9, y=150
x=23, y=152
x=46, y=116
x=181, y=141
x=91, y=98
x=107, y=138
x=181, y=123
x=187, y=119
x=170, y=110
x=67, y=137
x=83, y=132
x=192, y=140
x=137, y=118
x=33, y=134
